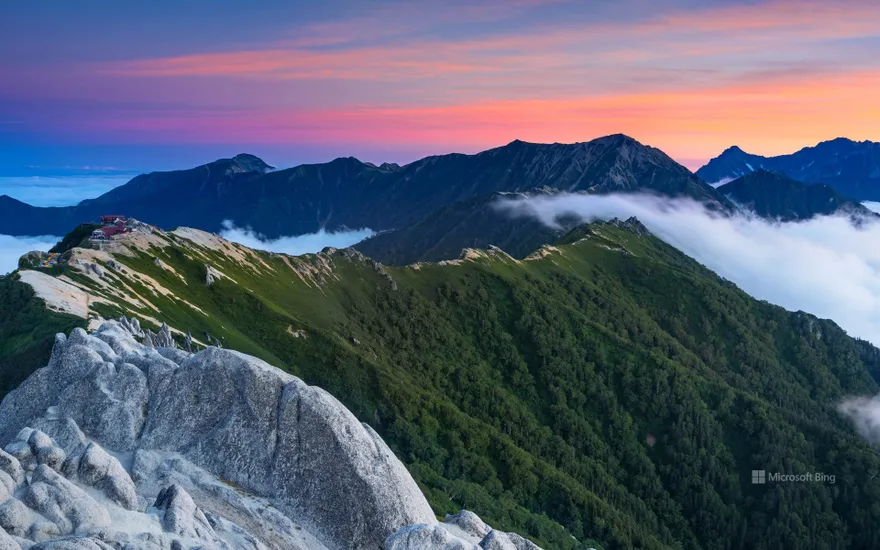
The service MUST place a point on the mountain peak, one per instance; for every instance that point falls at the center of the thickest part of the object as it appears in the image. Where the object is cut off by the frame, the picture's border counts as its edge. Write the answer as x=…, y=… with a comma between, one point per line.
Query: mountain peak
x=11, y=200
x=251, y=163
x=850, y=167
x=618, y=139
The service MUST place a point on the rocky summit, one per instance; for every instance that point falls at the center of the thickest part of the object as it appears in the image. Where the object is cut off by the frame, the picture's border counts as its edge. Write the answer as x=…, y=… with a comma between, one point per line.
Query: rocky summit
x=117, y=444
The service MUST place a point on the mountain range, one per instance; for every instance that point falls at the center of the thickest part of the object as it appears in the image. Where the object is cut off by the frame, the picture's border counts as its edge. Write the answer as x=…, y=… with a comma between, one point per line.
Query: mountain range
x=349, y=194
x=428, y=210
x=605, y=391
x=850, y=167
x=585, y=386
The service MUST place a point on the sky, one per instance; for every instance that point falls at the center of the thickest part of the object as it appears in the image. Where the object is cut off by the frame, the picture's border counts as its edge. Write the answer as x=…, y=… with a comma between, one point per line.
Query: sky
x=110, y=88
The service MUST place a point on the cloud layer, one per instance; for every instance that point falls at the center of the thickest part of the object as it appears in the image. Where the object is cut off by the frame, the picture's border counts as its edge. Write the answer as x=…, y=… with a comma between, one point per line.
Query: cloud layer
x=13, y=248
x=301, y=244
x=58, y=190
x=864, y=412
x=824, y=266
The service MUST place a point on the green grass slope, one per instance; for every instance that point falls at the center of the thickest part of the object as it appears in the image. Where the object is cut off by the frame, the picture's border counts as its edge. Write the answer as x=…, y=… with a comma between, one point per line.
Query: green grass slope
x=608, y=391
x=27, y=332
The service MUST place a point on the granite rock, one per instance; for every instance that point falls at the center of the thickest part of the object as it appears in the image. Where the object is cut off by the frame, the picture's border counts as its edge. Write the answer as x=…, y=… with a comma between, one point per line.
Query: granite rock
x=115, y=432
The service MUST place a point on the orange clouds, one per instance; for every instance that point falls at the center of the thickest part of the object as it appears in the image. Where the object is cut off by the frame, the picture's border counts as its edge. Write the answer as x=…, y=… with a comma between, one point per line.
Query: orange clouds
x=770, y=118
x=771, y=77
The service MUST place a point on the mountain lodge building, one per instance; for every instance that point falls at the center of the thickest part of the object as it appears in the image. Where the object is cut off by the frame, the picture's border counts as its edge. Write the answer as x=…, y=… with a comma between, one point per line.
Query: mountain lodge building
x=113, y=225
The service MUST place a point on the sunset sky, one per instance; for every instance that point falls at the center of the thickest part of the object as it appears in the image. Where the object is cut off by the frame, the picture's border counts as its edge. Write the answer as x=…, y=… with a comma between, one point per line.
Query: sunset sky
x=106, y=87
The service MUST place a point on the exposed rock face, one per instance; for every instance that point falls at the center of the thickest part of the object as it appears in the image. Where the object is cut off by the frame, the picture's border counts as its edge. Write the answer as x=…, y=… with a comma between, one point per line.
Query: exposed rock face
x=427, y=537
x=163, y=339
x=470, y=523
x=133, y=326
x=462, y=531
x=211, y=275
x=115, y=443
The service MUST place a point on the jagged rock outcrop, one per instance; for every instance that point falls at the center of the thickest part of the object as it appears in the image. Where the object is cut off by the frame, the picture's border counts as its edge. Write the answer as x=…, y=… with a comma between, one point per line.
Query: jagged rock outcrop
x=181, y=516
x=632, y=224
x=164, y=339
x=161, y=339
x=133, y=326
x=96, y=269
x=221, y=451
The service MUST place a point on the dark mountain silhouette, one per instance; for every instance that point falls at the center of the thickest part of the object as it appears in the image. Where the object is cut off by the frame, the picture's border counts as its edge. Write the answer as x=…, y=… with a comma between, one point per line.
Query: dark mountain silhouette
x=347, y=193
x=850, y=167
x=774, y=195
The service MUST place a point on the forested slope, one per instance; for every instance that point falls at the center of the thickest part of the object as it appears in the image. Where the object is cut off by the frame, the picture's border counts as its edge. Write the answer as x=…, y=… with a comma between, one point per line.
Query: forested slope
x=608, y=391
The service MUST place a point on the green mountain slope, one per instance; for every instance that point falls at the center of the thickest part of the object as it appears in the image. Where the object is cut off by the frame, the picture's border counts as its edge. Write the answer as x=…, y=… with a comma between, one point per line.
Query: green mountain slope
x=776, y=196
x=27, y=331
x=607, y=391
x=472, y=223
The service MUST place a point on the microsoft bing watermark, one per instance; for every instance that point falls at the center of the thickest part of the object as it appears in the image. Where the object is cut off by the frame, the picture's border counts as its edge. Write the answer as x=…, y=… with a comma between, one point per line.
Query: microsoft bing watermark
x=760, y=477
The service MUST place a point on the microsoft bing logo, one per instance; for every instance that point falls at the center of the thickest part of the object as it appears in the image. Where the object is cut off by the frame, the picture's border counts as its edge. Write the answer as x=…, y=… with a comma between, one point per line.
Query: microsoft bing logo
x=761, y=477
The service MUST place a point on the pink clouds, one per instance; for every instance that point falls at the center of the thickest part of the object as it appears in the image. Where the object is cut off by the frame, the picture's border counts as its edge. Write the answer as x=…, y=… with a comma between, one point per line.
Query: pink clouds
x=770, y=76
x=337, y=51
x=687, y=124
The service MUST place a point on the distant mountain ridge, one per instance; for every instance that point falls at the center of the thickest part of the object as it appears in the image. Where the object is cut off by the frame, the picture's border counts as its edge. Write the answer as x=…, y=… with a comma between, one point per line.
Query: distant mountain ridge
x=347, y=193
x=850, y=167
x=473, y=223
x=776, y=196
x=239, y=168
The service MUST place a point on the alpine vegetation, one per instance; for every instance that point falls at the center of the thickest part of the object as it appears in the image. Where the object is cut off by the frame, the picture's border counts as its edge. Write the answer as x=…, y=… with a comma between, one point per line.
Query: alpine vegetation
x=825, y=265
x=603, y=391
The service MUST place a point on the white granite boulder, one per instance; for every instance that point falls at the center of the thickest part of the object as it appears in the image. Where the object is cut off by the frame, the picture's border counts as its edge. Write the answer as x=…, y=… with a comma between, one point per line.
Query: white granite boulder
x=109, y=425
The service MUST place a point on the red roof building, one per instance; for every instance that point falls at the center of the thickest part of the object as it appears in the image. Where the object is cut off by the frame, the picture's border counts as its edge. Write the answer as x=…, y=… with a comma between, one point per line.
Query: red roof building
x=111, y=230
x=109, y=220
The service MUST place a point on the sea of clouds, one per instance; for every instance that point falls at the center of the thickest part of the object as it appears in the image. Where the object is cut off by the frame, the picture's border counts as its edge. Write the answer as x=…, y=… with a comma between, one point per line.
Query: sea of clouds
x=300, y=244
x=13, y=248
x=58, y=190
x=825, y=266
